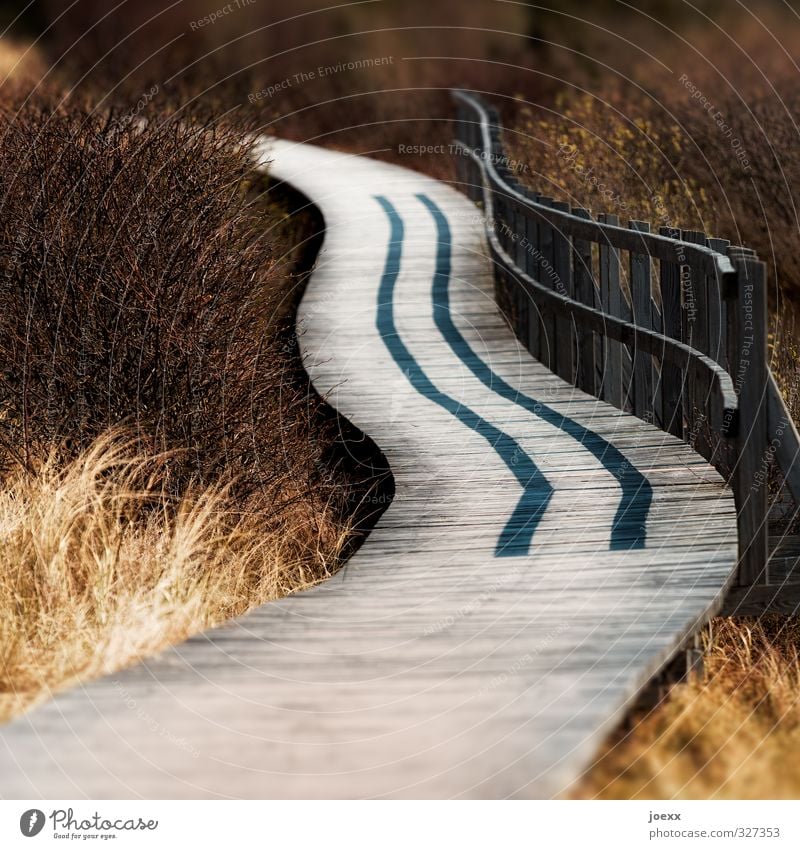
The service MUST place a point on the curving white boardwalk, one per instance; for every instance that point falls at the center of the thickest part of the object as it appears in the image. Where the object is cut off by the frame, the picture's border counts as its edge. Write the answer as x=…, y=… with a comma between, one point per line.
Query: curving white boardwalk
x=544, y=555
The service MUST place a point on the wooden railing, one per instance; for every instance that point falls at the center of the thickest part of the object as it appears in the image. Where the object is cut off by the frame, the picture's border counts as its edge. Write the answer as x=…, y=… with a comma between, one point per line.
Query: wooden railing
x=669, y=326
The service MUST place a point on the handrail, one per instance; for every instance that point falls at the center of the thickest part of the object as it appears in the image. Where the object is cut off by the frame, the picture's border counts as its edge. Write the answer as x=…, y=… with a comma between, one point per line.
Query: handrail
x=655, y=245
x=645, y=339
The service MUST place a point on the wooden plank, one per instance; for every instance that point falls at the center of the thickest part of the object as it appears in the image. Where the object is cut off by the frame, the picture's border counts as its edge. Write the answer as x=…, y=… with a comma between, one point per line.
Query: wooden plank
x=641, y=303
x=783, y=570
x=626, y=313
x=755, y=600
x=475, y=182
x=719, y=450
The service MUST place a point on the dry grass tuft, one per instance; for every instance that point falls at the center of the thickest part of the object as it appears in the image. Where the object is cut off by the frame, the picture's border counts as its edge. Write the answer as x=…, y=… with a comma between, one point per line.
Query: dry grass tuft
x=100, y=566
x=723, y=734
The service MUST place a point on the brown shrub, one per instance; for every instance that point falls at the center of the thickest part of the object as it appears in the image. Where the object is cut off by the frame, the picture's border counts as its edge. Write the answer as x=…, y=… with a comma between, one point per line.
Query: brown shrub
x=139, y=283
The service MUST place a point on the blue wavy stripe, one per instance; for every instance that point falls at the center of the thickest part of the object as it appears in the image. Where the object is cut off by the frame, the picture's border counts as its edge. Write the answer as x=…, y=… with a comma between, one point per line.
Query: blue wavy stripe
x=629, y=528
x=536, y=491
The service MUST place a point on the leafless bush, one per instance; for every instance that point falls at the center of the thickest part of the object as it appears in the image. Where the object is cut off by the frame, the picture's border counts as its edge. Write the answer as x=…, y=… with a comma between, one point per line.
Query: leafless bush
x=140, y=280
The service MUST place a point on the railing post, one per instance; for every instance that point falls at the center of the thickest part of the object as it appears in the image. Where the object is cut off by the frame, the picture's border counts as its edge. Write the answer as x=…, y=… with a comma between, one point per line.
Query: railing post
x=672, y=377
x=747, y=355
x=463, y=168
x=695, y=329
x=641, y=303
x=717, y=321
x=498, y=223
x=520, y=216
x=718, y=343
x=611, y=303
x=562, y=283
x=583, y=287
x=531, y=268
x=547, y=339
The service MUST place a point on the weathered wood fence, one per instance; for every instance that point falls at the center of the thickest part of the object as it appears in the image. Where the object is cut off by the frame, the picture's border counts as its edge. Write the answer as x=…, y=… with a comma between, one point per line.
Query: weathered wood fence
x=670, y=326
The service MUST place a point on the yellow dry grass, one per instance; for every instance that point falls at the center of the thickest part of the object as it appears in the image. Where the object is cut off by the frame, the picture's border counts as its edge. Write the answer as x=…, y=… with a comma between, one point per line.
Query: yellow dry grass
x=725, y=734
x=100, y=567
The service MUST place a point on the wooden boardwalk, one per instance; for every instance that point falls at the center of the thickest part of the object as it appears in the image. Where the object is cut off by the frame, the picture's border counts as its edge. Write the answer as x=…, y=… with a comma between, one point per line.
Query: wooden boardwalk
x=544, y=555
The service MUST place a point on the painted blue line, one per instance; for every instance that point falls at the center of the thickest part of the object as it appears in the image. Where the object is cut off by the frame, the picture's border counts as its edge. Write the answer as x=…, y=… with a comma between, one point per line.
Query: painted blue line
x=537, y=492
x=629, y=528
